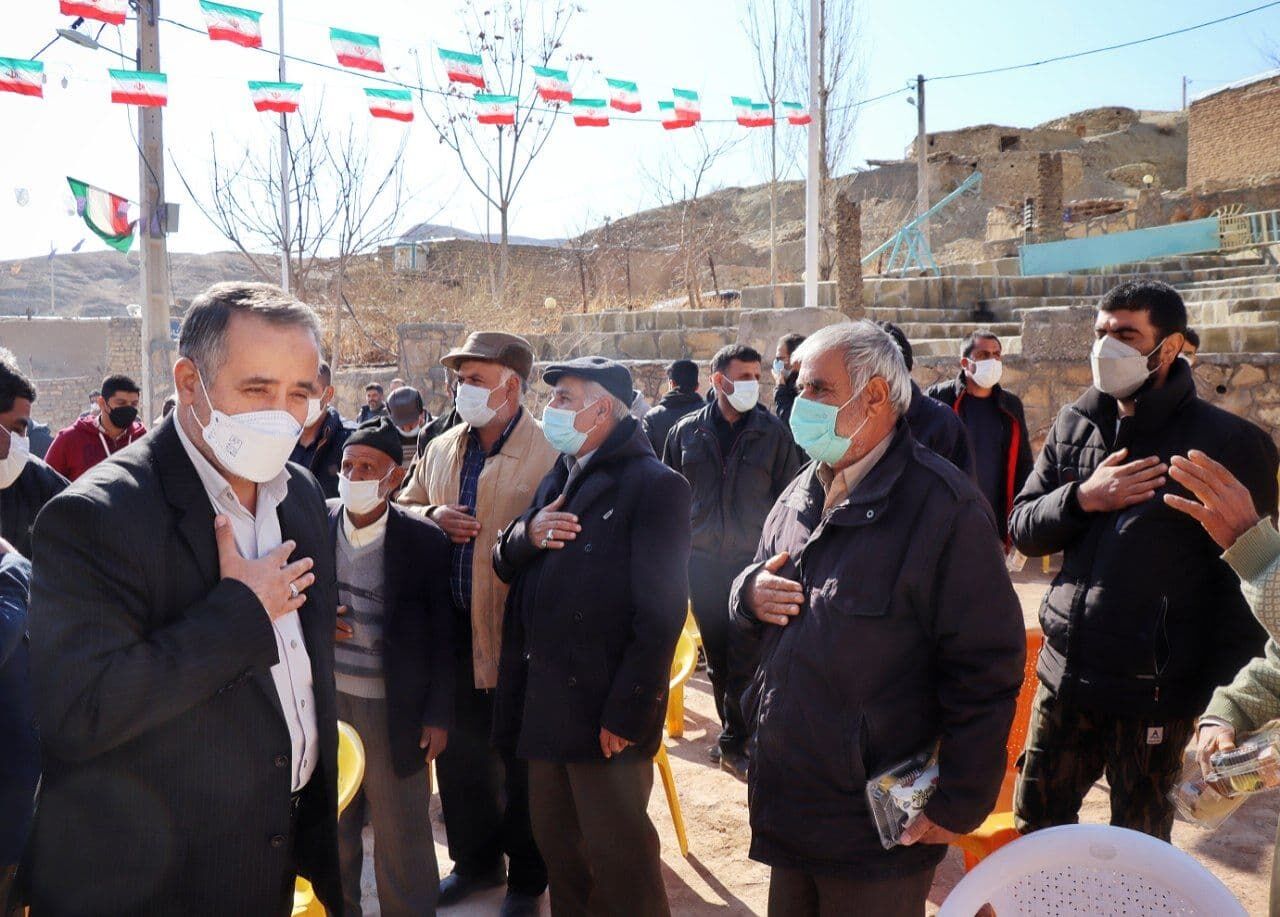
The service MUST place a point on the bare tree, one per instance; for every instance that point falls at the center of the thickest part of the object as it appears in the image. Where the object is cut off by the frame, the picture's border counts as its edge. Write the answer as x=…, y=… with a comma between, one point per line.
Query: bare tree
x=495, y=160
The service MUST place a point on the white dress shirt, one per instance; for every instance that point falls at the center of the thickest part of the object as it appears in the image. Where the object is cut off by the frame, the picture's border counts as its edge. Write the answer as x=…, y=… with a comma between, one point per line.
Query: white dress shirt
x=371, y=533
x=256, y=536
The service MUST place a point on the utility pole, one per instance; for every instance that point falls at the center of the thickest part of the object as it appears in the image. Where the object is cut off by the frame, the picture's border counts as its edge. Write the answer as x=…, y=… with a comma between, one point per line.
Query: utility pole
x=284, y=175
x=1184, y=93
x=922, y=158
x=157, y=340
x=812, y=182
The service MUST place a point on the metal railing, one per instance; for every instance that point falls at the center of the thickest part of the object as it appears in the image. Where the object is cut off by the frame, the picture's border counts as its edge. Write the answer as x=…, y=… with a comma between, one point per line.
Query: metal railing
x=1245, y=230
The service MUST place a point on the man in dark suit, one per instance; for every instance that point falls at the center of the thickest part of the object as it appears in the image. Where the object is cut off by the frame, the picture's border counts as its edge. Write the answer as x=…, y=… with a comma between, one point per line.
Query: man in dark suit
x=26, y=482
x=20, y=763
x=394, y=667
x=182, y=614
x=599, y=567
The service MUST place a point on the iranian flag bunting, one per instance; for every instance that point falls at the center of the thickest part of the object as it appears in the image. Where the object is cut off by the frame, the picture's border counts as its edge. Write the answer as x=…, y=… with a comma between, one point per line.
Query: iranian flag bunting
x=496, y=109
x=138, y=87
x=463, y=68
x=752, y=114
x=357, y=50
x=277, y=97
x=796, y=113
x=553, y=85
x=111, y=12
x=590, y=112
x=25, y=77
x=687, y=104
x=233, y=24
x=624, y=95
x=671, y=117
x=105, y=213
x=396, y=104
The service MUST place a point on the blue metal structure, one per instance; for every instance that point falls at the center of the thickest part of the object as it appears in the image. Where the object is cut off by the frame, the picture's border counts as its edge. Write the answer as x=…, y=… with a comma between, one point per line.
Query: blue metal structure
x=910, y=246
x=1114, y=248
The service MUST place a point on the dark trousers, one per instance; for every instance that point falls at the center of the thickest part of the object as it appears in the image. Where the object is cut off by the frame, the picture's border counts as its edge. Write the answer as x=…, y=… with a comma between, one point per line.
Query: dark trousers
x=799, y=893
x=592, y=823
x=484, y=796
x=1068, y=749
x=732, y=653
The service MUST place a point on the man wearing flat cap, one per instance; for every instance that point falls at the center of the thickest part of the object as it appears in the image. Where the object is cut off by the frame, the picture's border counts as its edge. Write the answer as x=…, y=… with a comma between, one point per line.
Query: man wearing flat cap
x=599, y=574
x=472, y=481
x=393, y=664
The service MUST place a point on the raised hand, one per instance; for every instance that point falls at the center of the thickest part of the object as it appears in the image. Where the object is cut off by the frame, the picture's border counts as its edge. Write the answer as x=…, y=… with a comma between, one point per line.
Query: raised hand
x=1116, y=484
x=1226, y=507
x=771, y=598
x=551, y=529
x=280, y=586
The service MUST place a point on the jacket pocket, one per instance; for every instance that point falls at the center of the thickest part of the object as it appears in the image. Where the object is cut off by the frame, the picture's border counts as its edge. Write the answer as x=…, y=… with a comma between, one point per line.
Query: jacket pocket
x=858, y=752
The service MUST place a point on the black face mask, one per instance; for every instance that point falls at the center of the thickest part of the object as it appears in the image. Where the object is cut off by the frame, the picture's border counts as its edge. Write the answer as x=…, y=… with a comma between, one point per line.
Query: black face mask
x=123, y=417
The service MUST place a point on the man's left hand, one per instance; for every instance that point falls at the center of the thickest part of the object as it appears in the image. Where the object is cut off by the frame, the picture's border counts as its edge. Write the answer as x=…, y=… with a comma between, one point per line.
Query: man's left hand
x=1226, y=507
x=920, y=830
x=433, y=742
x=611, y=744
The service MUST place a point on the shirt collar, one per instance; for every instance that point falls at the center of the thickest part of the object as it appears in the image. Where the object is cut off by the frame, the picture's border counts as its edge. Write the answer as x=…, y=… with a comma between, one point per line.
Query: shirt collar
x=359, y=537
x=217, y=486
x=839, y=486
x=474, y=440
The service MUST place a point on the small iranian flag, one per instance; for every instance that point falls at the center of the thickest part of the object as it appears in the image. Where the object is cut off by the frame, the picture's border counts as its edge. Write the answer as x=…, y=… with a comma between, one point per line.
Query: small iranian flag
x=671, y=117
x=138, y=87
x=233, y=24
x=278, y=97
x=396, y=104
x=111, y=12
x=623, y=95
x=463, y=68
x=688, y=105
x=496, y=109
x=553, y=85
x=590, y=112
x=105, y=213
x=752, y=114
x=25, y=77
x=357, y=50
x=796, y=113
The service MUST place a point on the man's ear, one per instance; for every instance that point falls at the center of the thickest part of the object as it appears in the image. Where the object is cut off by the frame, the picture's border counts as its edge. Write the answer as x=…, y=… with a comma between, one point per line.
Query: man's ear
x=327, y=395
x=877, y=395
x=397, y=477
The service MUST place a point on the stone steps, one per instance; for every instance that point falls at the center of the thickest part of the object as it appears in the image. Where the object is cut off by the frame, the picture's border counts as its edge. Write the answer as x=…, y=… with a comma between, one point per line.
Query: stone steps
x=951, y=347
x=692, y=343
x=1228, y=311
x=651, y=320
x=1250, y=338
x=1262, y=287
x=956, y=330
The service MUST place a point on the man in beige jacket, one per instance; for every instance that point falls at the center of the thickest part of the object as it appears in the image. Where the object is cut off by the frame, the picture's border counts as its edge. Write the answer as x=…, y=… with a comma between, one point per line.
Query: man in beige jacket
x=473, y=480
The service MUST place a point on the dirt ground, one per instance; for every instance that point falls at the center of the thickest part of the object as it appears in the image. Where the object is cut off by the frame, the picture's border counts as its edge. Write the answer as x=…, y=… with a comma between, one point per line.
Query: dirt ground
x=718, y=878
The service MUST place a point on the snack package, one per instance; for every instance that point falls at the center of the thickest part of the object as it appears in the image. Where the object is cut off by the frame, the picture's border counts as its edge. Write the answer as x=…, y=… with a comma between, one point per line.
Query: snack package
x=1199, y=801
x=1252, y=766
x=1015, y=561
x=896, y=795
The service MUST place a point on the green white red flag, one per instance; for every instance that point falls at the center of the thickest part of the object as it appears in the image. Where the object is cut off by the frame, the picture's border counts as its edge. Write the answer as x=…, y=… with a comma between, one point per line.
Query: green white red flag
x=590, y=112
x=671, y=117
x=495, y=109
x=232, y=23
x=111, y=12
x=553, y=85
x=106, y=214
x=396, y=104
x=139, y=87
x=796, y=113
x=752, y=114
x=357, y=50
x=687, y=104
x=623, y=95
x=25, y=77
x=277, y=97
x=461, y=67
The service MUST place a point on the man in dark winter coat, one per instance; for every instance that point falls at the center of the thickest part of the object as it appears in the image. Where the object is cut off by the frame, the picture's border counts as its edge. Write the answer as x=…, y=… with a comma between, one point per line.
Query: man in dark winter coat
x=319, y=448
x=599, y=568
x=1145, y=618
x=932, y=423
x=784, y=375
x=26, y=482
x=737, y=458
x=681, y=400
x=876, y=645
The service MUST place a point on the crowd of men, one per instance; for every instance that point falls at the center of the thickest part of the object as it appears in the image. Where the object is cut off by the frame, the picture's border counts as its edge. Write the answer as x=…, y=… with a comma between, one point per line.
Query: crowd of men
x=186, y=613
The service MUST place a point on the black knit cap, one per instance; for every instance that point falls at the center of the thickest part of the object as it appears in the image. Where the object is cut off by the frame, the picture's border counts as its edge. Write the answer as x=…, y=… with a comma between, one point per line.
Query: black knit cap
x=381, y=434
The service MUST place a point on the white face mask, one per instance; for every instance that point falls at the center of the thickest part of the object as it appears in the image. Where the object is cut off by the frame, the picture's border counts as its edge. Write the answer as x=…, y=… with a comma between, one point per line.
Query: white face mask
x=985, y=373
x=746, y=393
x=472, y=402
x=315, y=407
x=11, y=466
x=253, y=445
x=1118, y=369
x=360, y=497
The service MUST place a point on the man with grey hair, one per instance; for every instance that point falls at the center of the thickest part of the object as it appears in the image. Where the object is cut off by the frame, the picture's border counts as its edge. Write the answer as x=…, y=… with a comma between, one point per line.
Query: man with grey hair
x=876, y=648
x=183, y=606
x=599, y=574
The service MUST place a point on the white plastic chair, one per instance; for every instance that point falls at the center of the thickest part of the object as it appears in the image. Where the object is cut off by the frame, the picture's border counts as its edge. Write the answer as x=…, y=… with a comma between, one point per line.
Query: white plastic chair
x=1090, y=869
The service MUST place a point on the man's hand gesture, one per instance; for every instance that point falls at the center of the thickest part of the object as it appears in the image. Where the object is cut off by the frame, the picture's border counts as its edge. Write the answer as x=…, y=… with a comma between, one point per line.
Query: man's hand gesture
x=771, y=598
x=551, y=528
x=279, y=586
x=1226, y=507
x=1114, y=485
x=457, y=522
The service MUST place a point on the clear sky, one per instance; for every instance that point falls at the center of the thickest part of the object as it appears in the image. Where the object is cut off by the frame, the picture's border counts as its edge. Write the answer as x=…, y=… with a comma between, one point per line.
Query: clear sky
x=585, y=174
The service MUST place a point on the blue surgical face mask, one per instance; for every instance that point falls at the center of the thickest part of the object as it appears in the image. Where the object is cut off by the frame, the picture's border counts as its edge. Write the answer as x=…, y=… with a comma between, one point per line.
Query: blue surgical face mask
x=813, y=424
x=779, y=367
x=558, y=428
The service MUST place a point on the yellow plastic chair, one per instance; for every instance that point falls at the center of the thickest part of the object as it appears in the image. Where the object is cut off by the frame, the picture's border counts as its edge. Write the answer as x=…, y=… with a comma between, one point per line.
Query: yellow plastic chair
x=682, y=665
x=681, y=668
x=691, y=625
x=350, y=776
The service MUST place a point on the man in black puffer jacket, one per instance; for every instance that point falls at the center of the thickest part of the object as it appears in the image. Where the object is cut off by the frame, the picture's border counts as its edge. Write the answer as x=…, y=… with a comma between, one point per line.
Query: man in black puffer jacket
x=681, y=400
x=1145, y=618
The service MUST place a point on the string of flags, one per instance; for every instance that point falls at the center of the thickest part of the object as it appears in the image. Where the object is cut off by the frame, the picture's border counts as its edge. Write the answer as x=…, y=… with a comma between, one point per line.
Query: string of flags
x=363, y=52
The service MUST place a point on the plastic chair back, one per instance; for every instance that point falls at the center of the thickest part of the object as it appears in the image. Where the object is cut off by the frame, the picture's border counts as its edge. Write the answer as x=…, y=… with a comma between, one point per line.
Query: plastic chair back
x=684, y=660
x=1091, y=869
x=350, y=764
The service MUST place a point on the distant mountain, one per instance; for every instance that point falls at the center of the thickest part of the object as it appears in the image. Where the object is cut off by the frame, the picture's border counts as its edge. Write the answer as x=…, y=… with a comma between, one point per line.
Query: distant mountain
x=431, y=232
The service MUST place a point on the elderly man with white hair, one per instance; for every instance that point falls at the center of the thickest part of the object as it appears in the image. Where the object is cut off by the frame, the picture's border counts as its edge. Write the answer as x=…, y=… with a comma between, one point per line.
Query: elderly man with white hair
x=890, y=628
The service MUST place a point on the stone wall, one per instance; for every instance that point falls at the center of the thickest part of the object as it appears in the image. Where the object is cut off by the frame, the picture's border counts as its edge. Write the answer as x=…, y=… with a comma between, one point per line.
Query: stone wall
x=1234, y=134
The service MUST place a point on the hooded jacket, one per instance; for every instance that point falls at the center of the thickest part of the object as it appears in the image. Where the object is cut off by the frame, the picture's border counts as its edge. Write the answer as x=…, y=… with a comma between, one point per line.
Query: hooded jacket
x=82, y=445
x=674, y=405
